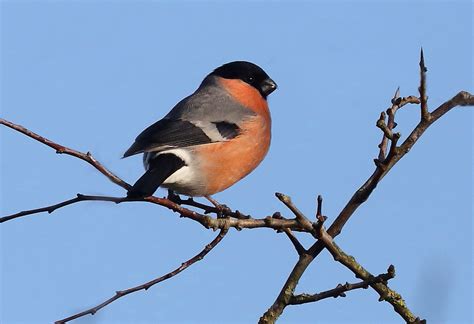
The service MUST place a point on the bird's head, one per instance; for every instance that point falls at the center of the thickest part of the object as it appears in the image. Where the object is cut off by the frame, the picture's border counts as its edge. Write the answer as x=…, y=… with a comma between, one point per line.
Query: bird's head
x=249, y=73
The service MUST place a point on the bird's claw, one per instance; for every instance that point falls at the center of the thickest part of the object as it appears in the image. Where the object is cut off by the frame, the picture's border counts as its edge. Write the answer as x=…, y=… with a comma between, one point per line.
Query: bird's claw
x=223, y=211
x=174, y=197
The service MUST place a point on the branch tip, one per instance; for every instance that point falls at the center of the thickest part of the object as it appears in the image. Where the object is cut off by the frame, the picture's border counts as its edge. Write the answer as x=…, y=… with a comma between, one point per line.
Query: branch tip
x=397, y=93
x=425, y=115
x=391, y=271
x=282, y=197
x=320, y=207
x=422, y=61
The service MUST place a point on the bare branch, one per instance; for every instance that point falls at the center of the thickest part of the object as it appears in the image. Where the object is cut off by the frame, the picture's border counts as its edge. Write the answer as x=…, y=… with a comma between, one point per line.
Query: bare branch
x=276, y=223
x=340, y=290
x=48, y=209
x=65, y=150
x=385, y=293
x=387, y=127
x=319, y=210
x=145, y=286
x=425, y=115
x=393, y=146
x=383, y=126
x=298, y=246
x=286, y=293
x=462, y=99
x=300, y=217
x=397, y=103
x=362, y=194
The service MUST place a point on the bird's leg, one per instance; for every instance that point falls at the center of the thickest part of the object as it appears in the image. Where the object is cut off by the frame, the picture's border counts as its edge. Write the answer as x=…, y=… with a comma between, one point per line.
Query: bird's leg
x=222, y=209
x=174, y=197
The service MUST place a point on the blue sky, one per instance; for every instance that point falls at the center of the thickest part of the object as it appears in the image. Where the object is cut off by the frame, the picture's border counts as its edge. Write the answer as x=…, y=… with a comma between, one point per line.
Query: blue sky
x=92, y=75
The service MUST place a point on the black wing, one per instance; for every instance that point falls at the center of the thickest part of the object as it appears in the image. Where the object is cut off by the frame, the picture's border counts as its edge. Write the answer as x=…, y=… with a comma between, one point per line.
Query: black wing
x=168, y=133
x=227, y=130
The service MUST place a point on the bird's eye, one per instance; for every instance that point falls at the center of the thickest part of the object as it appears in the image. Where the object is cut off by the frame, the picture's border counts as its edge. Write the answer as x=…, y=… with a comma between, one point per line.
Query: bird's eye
x=250, y=79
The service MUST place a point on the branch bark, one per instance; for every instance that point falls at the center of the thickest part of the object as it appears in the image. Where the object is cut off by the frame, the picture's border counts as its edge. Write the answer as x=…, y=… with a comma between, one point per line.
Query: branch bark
x=146, y=286
x=276, y=223
x=65, y=150
x=341, y=289
x=385, y=293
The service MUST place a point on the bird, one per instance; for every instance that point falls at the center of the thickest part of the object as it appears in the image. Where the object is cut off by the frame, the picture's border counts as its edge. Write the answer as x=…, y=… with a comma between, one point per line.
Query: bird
x=210, y=139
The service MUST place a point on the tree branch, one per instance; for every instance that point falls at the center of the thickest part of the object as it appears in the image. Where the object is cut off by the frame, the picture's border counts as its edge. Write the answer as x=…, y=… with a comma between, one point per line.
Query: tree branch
x=425, y=115
x=300, y=217
x=397, y=103
x=385, y=293
x=65, y=150
x=298, y=246
x=288, y=298
x=276, y=223
x=360, y=196
x=463, y=98
x=340, y=290
x=145, y=286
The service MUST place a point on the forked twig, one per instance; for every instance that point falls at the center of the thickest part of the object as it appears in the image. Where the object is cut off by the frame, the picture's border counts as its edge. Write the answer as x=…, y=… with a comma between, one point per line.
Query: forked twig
x=385, y=293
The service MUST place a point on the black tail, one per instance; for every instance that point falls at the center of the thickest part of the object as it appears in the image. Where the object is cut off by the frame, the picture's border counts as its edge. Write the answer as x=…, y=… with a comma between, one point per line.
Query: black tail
x=160, y=168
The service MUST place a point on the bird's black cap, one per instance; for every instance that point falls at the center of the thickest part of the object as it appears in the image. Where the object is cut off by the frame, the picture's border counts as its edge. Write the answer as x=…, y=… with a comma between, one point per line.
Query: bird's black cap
x=249, y=73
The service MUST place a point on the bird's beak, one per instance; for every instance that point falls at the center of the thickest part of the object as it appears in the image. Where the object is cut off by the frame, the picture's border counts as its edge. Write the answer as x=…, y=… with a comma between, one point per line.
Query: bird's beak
x=268, y=86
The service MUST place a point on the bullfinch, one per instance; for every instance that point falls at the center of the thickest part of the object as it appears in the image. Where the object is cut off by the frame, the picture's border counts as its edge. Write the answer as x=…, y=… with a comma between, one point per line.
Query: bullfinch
x=210, y=139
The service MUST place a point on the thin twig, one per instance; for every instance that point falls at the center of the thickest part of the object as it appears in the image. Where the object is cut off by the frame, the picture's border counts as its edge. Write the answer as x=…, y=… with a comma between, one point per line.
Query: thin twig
x=207, y=221
x=425, y=115
x=385, y=293
x=65, y=150
x=383, y=126
x=387, y=127
x=52, y=208
x=300, y=217
x=340, y=290
x=319, y=209
x=146, y=286
x=298, y=246
x=393, y=146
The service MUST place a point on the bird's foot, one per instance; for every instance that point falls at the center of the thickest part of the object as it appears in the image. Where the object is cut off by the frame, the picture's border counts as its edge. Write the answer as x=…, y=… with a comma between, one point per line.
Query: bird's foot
x=174, y=197
x=221, y=210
